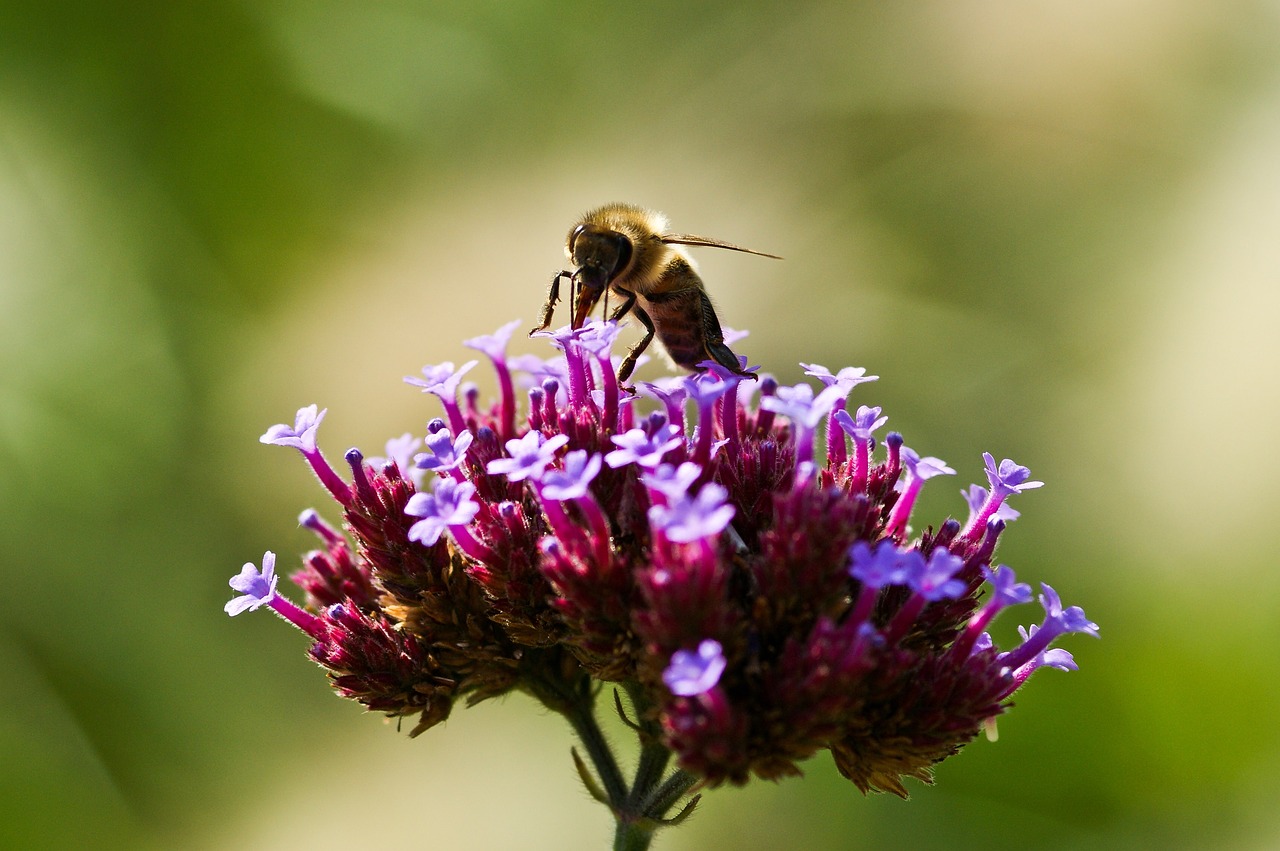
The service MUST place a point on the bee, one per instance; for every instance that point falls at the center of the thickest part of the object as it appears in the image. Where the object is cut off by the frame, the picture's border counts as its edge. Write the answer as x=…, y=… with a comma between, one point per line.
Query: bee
x=626, y=250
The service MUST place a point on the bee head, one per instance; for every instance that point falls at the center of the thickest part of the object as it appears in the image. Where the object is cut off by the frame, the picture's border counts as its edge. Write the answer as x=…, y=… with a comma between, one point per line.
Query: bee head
x=599, y=256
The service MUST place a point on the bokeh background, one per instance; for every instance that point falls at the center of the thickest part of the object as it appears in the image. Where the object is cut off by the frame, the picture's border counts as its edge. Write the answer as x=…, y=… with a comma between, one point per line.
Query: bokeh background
x=1052, y=228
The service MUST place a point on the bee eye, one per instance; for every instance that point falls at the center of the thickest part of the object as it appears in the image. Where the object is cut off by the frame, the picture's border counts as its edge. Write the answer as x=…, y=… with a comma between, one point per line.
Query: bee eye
x=573, y=237
x=624, y=254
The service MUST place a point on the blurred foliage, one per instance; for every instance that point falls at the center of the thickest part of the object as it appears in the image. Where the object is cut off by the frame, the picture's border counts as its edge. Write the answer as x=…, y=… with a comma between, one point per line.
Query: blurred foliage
x=214, y=212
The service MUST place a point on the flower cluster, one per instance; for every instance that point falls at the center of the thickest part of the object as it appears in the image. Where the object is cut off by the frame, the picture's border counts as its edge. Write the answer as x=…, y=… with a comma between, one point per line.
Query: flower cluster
x=745, y=569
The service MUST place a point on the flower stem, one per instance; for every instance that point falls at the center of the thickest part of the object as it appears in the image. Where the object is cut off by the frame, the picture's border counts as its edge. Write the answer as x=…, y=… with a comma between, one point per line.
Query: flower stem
x=601, y=756
x=633, y=835
x=638, y=810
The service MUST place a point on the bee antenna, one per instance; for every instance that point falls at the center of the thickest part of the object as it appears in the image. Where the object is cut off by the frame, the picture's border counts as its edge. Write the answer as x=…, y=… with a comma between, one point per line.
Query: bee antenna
x=707, y=242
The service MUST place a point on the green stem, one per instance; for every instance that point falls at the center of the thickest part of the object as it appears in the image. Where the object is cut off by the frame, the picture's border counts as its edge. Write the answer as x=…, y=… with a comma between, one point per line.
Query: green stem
x=639, y=810
x=654, y=756
x=633, y=835
x=583, y=721
x=653, y=761
x=575, y=700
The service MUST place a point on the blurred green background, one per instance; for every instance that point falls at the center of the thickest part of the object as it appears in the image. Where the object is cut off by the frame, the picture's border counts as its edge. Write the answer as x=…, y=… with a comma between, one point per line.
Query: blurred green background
x=1050, y=227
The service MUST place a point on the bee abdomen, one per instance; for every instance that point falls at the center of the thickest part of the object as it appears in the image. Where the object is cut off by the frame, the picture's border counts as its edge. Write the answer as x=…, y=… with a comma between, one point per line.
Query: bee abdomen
x=679, y=326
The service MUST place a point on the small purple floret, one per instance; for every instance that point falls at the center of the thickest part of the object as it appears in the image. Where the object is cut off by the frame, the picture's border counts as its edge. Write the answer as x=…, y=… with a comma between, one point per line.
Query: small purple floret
x=686, y=520
x=563, y=336
x=257, y=588
x=449, y=504
x=1009, y=478
x=539, y=369
x=529, y=456
x=933, y=580
x=861, y=424
x=724, y=374
x=1054, y=657
x=924, y=468
x=1057, y=622
x=441, y=379
x=1006, y=590
x=692, y=673
x=494, y=345
x=637, y=447
x=976, y=496
x=1070, y=619
x=444, y=453
x=881, y=566
x=572, y=481
x=671, y=481
x=597, y=337
x=301, y=435
x=798, y=404
x=846, y=379
x=704, y=389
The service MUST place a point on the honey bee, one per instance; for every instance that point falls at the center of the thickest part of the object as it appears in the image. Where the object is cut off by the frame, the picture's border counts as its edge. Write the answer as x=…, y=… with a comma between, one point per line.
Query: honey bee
x=626, y=250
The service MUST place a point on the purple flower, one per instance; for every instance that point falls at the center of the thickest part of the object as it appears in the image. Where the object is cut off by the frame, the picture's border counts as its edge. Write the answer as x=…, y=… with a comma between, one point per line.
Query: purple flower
x=494, y=345
x=441, y=380
x=685, y=520
x=861, y=425
x=572, y=481
x=882, y=565
x=1057, y=622
x=846, y=379
x=704, y=390
x=302, y=435
x=1054, y=657
x=671, y=481
x=692, y=673
x=449, y=504
x=805, y=411
x=976, y=496
x=1009, y=478
x=444, y=453
x=564, y=337
x=637, y=447
x=257, y=588
x=1071, y=619
x=919, y=470
x=723, y=375
x=798, y=404
x=598, y=337
x=672, y=394
x=732, y=335
x=539, y=369
x=1006, y=479
x=924, y=468
x=529, y=457
x=933, y=580
x=400, y=450
x=1006, y=590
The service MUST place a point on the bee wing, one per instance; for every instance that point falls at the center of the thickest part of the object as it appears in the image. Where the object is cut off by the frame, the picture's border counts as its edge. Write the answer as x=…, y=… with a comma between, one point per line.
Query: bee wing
x=692, y=239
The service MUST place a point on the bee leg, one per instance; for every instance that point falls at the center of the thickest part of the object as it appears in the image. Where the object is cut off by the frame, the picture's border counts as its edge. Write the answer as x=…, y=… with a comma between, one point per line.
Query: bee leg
x=629, y=364
x=720, y=353
x=628, y=302
x=553, y=296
